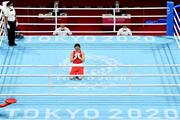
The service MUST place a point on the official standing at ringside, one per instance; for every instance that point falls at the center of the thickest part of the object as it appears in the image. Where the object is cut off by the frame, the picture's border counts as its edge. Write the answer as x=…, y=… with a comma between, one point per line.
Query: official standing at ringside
x=11, y=22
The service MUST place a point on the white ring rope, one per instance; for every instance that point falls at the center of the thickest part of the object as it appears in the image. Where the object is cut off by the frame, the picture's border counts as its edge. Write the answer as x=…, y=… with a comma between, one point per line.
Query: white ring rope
x=93, y=31
x=1, y=40
x=2, y=19
x=1, y=31
x=88, y=95
x=113, y=75
x=176, y=34
x=1, y=13
x=138, y=65
x=139, y=16
x=95, y=24
x=177, y=41
x=90, y=85
x=176, y=31
x=1, y=28
x=135, y=8
x=175, y=11
x=176, y=24
x=2, y=23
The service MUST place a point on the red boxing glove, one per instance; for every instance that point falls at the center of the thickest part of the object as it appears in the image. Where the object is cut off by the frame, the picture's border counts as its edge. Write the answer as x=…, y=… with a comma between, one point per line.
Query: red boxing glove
x=8, y=102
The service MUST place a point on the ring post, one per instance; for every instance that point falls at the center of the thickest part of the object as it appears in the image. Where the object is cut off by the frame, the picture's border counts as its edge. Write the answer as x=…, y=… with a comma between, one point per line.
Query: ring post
x=56, y=8
x=170, y=17
x=114, y=25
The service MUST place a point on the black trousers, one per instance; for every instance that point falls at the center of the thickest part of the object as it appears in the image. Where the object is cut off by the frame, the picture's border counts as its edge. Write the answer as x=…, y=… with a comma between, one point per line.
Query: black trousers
x=11, y=32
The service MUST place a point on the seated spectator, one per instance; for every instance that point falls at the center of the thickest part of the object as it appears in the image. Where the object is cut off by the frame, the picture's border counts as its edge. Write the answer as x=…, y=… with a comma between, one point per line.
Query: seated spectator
x=118, y=11
x=56, y=4
x=124, y=31
x=62, y=31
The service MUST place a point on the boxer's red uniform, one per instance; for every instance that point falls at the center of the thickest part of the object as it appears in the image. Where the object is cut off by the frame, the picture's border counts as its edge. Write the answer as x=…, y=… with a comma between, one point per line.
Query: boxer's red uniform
x=78, y=68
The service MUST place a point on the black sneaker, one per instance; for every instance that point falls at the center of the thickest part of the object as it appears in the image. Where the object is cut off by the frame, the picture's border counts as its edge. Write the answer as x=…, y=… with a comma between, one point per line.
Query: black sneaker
x=78, y=78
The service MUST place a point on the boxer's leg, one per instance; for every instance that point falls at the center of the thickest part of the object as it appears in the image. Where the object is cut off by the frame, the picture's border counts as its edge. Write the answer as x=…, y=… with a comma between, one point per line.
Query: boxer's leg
x=80, y=72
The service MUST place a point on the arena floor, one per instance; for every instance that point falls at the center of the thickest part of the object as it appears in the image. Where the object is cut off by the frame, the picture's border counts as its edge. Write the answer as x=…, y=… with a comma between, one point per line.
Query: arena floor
x=44, y=50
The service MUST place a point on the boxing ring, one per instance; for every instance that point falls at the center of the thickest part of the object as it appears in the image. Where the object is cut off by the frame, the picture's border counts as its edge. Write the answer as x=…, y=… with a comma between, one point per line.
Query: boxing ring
x=126, y=77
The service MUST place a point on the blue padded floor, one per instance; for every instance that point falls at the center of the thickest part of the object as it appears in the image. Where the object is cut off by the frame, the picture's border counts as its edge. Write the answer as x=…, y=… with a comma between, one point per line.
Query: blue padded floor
x=45, y=50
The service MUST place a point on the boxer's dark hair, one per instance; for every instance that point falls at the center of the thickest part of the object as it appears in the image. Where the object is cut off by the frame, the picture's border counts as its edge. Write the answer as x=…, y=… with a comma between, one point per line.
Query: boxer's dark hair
x=77, y=45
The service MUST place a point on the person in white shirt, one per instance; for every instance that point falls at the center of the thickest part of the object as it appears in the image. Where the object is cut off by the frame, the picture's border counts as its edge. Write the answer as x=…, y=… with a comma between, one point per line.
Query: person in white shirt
x=62, y=31
x=124, y=31
x=11, y=22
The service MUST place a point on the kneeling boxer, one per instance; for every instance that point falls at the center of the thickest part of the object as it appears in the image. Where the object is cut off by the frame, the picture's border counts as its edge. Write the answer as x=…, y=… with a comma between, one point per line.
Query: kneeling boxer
x=77, y=58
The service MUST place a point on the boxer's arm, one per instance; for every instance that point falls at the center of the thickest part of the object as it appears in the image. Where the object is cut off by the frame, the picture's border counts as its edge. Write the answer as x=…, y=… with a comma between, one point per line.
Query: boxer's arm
x=83, y=57
x=72, y=58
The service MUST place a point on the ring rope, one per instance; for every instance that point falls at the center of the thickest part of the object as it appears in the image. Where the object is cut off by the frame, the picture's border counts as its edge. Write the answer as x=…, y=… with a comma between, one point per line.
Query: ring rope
x=177, y=41
x=130, y=65
x=135, y=8
x=1, y=40
x=176, y=31
x=113, y=75
x=176, y=34
x=90, y=85
x=176, y=24
x=175, y=11
x=93, y=31
x=87, y=95
x=1, y=28
x=139, y=16
x=2, y=22
x=1, y=13
x=99, y=24
x=95, y=24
